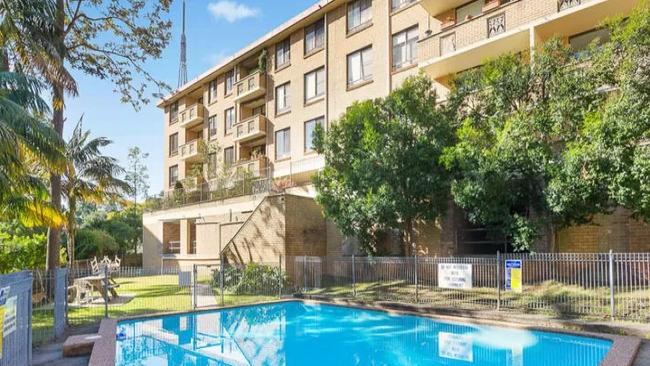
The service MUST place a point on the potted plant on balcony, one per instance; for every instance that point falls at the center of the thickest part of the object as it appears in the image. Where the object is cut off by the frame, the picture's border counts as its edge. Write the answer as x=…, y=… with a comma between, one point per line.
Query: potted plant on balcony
x=491, y=5
x=262, y=62
x=448, y=22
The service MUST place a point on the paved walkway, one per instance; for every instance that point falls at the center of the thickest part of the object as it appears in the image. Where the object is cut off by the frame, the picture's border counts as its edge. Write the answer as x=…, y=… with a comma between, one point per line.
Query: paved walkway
x=204, y=296
x=643, y=358
x=52, y=354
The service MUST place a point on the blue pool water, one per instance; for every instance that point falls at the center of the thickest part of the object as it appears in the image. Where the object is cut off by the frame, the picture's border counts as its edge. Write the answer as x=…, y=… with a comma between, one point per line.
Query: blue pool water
x=297, y=333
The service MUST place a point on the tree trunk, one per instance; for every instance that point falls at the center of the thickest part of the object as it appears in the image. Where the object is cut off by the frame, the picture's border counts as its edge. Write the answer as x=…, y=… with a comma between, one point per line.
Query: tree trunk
x=72, y=230
x=53, y=244
x=53, y=234
x=409, y=238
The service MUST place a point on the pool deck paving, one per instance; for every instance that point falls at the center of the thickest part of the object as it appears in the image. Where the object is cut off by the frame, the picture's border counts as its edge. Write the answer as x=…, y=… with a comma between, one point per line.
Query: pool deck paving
x=643, y=357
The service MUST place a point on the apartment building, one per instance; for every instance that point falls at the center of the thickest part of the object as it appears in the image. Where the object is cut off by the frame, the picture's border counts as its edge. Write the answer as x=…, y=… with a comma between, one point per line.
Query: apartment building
x=239, y=152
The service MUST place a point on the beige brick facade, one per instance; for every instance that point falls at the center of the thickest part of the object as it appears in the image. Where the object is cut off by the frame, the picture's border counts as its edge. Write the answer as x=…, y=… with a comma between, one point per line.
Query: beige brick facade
x=261, y=227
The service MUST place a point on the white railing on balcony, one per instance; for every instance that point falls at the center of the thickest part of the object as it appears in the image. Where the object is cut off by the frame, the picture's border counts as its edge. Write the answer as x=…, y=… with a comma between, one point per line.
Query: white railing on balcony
x=190, y=149
x=173, y=247
x=566, y=4
x=251, y=127
x=256, y=167
x=251, y=85
x=191, y=115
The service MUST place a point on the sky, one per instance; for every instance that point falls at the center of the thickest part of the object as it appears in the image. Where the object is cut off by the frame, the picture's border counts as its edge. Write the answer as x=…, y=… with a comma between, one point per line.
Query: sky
x=215, y=30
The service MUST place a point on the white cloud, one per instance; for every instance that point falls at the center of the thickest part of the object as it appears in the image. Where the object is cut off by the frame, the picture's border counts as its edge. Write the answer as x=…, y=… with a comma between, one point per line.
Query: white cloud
x=232, y=11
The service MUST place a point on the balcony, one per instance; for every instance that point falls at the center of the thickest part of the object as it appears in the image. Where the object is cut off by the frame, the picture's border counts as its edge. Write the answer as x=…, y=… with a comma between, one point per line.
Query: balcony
x=172, y=247
x=190, y=151
x=250, y=128
x=191, y=116
x=250, y=87
x=256, y=167
x=192, y=184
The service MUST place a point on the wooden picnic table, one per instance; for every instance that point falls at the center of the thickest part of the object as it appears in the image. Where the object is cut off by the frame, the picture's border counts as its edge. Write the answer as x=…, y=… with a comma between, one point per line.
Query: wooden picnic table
x=98, y=284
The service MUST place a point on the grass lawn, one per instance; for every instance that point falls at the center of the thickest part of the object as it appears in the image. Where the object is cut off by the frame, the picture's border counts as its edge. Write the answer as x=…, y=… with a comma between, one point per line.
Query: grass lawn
x=551, y=298
x=150, y=295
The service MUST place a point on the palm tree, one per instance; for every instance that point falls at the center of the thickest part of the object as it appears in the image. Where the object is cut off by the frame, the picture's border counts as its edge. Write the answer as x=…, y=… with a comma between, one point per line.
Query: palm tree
x=89, y=177
x=30, y=40
x=25, y=141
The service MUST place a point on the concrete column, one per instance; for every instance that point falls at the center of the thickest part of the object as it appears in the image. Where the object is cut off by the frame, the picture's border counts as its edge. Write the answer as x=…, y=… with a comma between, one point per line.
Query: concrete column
x=185, y=237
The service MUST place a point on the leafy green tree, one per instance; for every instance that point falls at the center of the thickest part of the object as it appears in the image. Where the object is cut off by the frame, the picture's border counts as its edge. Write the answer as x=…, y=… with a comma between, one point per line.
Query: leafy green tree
x=616, y=144
x=89, y=176
x=137, y=174
x=21, y=247
x=107, y=39
x=383, y=167
x=92, y=242
x=24, y=142
x=514, y=163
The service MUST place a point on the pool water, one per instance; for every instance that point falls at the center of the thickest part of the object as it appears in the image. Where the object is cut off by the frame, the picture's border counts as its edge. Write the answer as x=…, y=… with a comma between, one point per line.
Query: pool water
x=297, y=333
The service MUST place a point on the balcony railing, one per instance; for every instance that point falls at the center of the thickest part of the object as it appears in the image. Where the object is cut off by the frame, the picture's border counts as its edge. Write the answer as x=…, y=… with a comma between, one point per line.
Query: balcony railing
x=250, y=87
x=255, y=167
x=250, y=128
x=566, y=4
x=190, y=151
x=191, y=116
x=497, y=18
x=172, y=247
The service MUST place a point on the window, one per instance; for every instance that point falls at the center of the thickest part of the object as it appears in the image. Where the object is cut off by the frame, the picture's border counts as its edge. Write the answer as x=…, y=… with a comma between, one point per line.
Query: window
x=229, y=156
x=229, y=120
x=173, y=144
x=314, y=84
x=212, y=164
x=315, y=36
x=173, y=175
x=469, y=11
x=360, y=66
x=359, y=14
x=173, y=113
x=282, y=98
x=580, y=43
x=230, y=81
x=212, y=92
x=310, y=127
x=212, y=126
x=396, y=4
x=282, y=54
x=405, y=48
x=282, y=143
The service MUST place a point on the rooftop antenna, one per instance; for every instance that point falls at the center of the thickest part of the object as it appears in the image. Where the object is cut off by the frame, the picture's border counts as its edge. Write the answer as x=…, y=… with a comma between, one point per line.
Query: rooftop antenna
x=182, y=71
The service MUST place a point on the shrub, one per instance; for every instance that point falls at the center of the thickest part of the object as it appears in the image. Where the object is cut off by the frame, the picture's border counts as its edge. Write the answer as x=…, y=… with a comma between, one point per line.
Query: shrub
x=251, y=279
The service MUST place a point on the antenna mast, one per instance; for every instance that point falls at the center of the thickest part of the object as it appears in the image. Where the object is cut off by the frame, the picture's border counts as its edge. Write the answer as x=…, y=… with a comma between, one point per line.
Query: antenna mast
x=182, y=71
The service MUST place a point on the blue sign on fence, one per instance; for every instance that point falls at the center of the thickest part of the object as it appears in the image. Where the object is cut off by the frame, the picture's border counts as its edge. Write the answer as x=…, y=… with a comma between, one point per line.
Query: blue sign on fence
x=513, y=275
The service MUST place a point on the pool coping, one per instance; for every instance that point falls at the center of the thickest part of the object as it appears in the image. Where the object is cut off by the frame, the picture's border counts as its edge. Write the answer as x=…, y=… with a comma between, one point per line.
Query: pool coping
x=622, y=353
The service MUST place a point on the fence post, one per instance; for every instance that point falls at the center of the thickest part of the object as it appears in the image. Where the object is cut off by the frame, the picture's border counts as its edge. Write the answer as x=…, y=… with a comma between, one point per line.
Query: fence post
x=417, y=295
x=194, y=286
x=105, y=291
x=354, y=280
x=60, y=286
x=221, y=280
x=498, y=280
x=612, y=300
x=304, y=273
x=280, y=277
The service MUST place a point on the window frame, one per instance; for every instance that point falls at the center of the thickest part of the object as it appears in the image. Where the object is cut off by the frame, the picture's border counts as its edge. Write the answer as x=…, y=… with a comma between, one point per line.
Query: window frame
x=226, y=130
x=285, y=46
x=229, y=80
x=316, y=95
x=287, y=107
x=414, y=54
x=286, y=134
x=400, y=4
x=314, y=27
x=467, y=5
x=173, y=113
x=212, y=91
x=365, y=78
x=213, y=121
x=173, y=153
x=172, y=184
x=362, y=24
x=230, y=149
x=318, y=120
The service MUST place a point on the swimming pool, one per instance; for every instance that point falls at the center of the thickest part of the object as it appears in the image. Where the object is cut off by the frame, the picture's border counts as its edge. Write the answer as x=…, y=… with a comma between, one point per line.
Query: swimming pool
x=299, y=333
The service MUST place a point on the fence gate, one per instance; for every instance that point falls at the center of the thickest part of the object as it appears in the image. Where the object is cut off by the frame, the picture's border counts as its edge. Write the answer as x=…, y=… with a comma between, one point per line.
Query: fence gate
x=206, y=286
x=16, y=341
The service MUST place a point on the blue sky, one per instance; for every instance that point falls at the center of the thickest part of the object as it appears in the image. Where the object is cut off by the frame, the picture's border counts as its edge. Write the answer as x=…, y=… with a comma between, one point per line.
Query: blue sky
x=215, y=30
